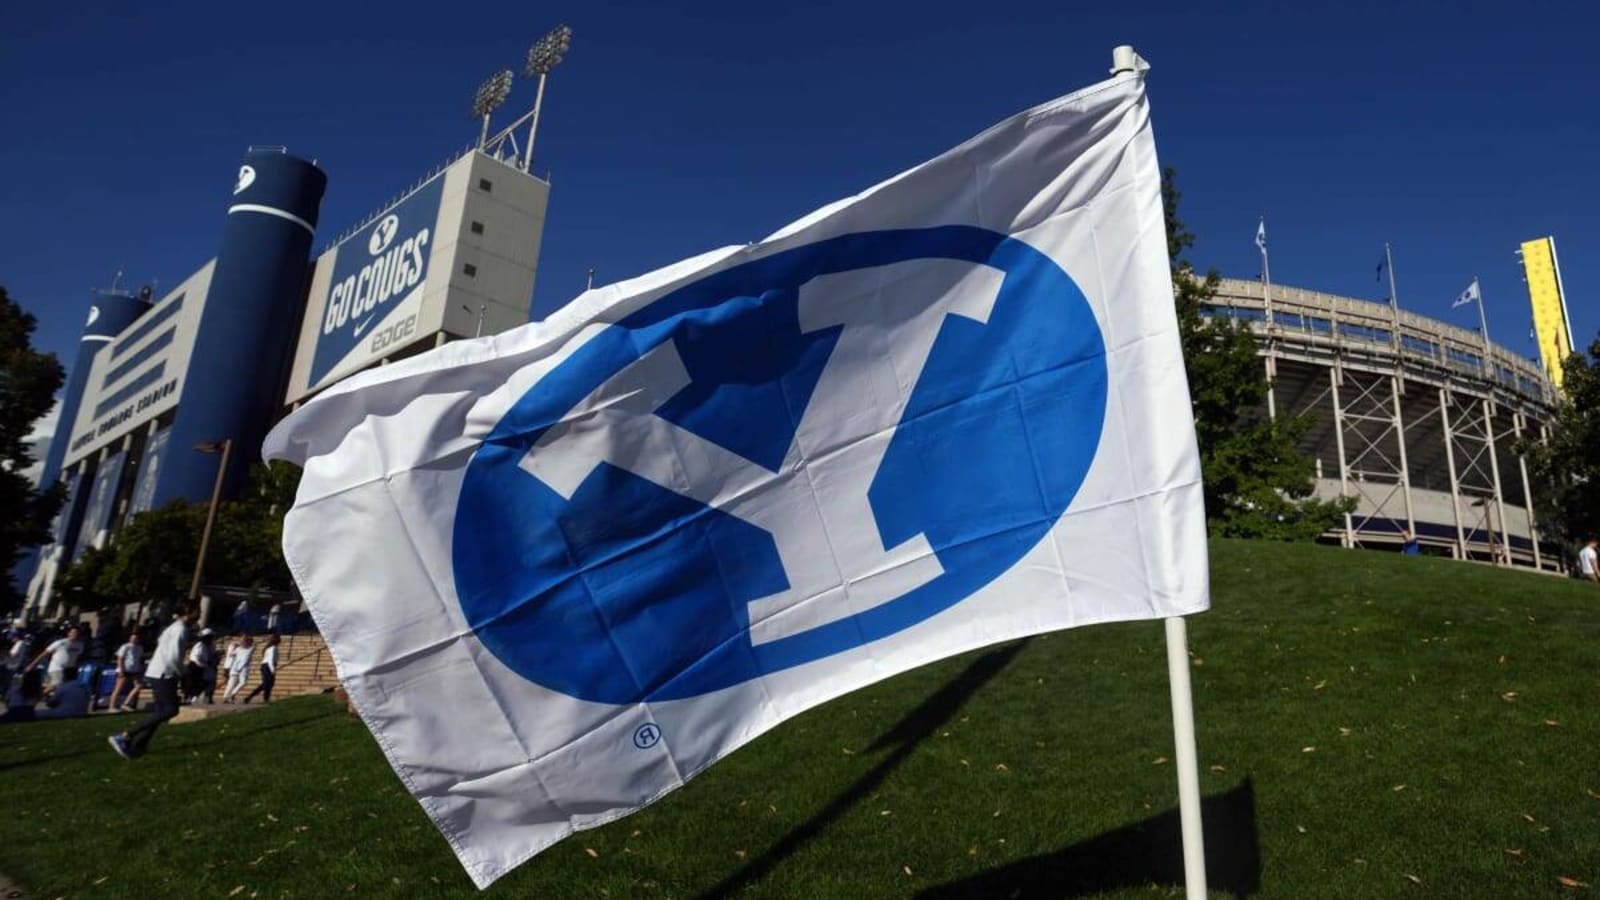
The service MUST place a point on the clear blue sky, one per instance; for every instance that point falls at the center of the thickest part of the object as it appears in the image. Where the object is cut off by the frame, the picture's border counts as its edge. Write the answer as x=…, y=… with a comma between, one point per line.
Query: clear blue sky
x=1453, y=133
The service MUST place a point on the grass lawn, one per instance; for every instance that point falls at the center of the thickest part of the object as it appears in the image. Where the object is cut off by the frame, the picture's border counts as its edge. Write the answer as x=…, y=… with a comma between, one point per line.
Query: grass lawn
x=1369, y=725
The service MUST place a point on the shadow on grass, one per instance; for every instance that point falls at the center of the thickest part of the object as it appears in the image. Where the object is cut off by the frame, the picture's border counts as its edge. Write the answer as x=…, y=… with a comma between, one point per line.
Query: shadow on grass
x=1147, y=852
x=904, y=738
x=97, y=745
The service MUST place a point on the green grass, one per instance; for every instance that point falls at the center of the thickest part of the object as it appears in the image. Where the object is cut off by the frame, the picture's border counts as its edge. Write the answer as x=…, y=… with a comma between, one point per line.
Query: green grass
x=1325, y=681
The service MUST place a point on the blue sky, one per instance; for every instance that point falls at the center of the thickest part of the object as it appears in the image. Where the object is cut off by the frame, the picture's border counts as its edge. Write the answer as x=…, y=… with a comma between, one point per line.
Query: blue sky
x=1454, y=133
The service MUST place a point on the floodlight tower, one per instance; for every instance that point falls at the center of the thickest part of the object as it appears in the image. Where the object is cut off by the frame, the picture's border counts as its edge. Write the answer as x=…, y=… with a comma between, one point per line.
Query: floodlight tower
x=545, y=54
x=491, y=94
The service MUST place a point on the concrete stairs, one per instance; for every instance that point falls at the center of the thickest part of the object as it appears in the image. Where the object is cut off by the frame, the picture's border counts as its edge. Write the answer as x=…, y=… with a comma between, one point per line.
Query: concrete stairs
x=304, y=667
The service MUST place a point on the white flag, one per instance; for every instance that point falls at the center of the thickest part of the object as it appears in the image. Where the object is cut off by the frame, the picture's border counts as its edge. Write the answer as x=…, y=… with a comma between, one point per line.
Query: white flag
x=1470, y=295
x=564, y=569
x=1261, y=235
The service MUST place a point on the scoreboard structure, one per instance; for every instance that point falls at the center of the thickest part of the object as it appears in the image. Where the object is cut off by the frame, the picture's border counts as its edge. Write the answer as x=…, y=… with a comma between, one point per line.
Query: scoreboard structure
x=262, y=327
x=1552, y=327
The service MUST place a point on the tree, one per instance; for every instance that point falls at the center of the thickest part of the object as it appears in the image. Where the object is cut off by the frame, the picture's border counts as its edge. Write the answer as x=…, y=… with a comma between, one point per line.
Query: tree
x=1566, y=469
x=151, y=559
x=28, y=384
x=1257, y=482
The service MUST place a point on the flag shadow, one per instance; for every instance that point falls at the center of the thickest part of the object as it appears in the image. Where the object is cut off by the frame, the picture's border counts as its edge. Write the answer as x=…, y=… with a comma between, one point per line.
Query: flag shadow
x=904, y=737
x=1137, y=855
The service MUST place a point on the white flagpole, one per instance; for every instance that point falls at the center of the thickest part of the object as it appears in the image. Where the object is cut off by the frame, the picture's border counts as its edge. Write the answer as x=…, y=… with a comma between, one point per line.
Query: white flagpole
x=1194, y=846
x=1123, y=59
x=1266, y=277
x=1483, y=323
x=1394, y=295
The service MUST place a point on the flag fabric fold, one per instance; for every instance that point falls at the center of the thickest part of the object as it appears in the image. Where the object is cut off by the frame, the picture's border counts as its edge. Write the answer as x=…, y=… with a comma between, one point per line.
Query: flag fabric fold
x=563, y=569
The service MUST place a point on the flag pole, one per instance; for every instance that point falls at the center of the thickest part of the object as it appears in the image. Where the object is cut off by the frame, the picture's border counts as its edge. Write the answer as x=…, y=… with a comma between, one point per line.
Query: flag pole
x=1194, y=847
x=1124, y=59
x=1483, y=325
x=1394, y=295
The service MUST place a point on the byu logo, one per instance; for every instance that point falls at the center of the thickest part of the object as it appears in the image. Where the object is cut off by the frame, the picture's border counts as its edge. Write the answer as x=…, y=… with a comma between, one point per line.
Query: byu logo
x=247, y=177
x=383, y=235
x=783, y=461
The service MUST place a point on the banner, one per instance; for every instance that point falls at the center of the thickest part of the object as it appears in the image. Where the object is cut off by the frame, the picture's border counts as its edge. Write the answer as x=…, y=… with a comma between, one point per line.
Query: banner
x=564, y=569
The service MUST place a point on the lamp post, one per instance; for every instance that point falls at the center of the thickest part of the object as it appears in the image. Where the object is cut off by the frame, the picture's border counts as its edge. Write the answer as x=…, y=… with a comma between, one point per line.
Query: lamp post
x=545, y=54
x=491, y=94
x=225, y=447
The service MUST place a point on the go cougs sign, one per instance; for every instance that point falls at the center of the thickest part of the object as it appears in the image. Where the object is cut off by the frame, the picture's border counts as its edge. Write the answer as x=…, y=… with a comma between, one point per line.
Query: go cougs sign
x=379, y=274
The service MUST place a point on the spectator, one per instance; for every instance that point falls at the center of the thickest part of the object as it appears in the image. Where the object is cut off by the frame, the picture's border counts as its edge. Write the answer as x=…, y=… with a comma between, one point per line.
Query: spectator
x=63, y=653
x=200, y=668
x=1589, y=561
x=17, y=658
x=269, y=671
x=238, y=666
x=70, y=700
x=130, y=671
x=26, y=690
x=162, y=674
x=1409, y=544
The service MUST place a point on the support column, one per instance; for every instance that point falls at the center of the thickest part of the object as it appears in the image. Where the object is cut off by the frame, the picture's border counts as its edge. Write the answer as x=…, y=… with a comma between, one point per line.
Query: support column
x=1527, y=495
x=1334, y=374
x=1396, y=387
x=1450, y=460
x=1499, y=496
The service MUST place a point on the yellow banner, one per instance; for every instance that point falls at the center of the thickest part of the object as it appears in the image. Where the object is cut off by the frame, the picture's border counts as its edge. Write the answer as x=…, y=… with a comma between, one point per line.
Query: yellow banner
x=1549, y=306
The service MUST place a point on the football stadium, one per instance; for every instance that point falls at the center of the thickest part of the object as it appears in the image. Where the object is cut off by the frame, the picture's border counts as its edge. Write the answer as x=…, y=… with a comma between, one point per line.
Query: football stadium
x=1417, y=419
x=165, y=389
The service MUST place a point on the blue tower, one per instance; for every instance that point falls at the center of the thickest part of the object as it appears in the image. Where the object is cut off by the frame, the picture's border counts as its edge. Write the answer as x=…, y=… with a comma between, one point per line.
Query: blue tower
x=235, y=380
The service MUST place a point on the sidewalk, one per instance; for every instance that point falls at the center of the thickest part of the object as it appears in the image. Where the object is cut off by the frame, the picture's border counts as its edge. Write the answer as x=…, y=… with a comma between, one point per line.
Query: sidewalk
x=196, y=712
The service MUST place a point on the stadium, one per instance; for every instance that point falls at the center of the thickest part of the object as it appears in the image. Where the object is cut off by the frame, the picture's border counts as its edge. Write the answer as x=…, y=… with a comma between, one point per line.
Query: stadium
x=1415, y=418
x=162, y=386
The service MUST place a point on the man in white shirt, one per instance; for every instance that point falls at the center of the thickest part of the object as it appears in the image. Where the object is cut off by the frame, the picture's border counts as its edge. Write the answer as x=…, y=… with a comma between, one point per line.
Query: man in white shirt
x=130, y=669
x=166, y=663
x=269, y=671
x=63, y=653
x=1589, y=561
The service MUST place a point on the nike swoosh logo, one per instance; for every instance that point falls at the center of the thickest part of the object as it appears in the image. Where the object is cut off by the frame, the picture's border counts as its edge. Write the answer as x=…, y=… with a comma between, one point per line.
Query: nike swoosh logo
x=363, y=326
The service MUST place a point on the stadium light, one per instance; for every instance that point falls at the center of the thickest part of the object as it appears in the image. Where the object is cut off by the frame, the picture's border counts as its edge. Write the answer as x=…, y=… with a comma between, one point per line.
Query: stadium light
x=491, y=95
x=545, y=54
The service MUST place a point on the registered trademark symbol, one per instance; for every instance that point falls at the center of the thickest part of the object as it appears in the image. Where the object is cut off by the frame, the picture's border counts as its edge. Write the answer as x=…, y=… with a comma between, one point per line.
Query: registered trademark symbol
x=646, y=736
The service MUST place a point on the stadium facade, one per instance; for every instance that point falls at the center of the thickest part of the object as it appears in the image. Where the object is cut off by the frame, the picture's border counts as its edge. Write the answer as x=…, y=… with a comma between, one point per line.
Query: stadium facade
x=1415, y=418
x=159, y=382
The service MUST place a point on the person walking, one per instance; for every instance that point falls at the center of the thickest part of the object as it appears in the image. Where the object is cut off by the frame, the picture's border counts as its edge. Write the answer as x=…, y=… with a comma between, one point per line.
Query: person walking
x=130, y=669
x=1589, y=561
x=63, y=653
x=269, y=671
x=16, y=661
x=162, y=674
x=238, y=667
x=200, y=669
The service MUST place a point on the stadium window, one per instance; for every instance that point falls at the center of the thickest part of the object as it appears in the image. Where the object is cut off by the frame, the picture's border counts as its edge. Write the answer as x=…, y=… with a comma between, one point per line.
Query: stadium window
x=485, y=185
x=469, y=270
x=477, y=228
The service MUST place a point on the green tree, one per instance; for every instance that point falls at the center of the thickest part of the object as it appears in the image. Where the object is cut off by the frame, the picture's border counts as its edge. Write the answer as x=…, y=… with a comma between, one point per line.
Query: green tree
x=151, y=559
x=1257, y=482
x=28, y=384
x=1566, y=469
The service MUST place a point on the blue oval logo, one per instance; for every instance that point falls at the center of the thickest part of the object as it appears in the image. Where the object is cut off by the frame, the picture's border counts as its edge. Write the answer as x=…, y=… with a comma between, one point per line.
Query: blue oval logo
x=780, y=462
